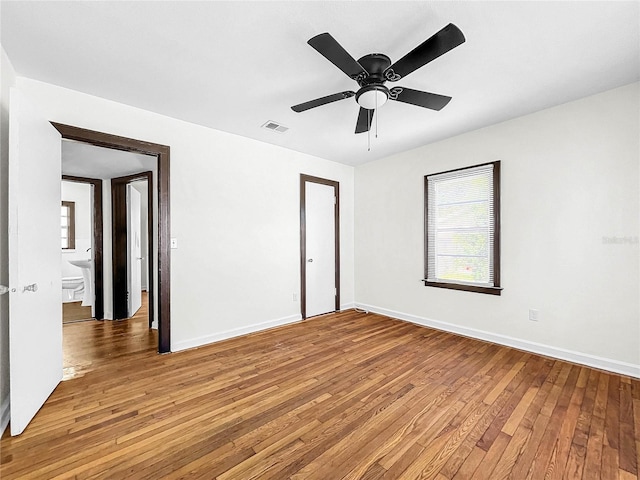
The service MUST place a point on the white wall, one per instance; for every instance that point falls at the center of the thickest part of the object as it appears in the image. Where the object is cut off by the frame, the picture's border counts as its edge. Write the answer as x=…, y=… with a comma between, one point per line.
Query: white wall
x=7, y=80
x=81, y=195
x=234, y=211
x=570, y=178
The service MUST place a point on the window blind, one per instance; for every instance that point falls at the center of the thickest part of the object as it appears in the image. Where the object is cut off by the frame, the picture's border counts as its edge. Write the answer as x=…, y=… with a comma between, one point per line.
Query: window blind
x=460, y=226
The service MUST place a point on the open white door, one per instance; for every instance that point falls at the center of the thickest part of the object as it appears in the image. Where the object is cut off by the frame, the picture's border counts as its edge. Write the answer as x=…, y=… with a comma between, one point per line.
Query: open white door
x=134, y=251
x=35, y=302
x=320, y=249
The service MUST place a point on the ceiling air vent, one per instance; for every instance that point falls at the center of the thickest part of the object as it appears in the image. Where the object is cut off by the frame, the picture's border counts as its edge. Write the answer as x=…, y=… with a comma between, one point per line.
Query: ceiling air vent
x=275, y=127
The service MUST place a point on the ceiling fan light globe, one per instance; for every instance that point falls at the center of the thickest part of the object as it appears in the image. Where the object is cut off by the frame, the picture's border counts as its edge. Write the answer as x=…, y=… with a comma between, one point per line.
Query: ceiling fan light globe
x=372, y=97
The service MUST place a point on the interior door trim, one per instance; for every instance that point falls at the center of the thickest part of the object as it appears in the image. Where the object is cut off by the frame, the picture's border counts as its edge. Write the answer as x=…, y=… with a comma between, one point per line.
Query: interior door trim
x=303, y=238
x=161, y=152
x=97, y=241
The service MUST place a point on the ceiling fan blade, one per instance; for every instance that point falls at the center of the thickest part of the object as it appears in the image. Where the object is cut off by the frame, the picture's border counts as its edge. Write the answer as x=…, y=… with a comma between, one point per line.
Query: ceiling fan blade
x=419, y=98
x=329, y=48
x=365, y=117
x=322, y=101
x=446, y=39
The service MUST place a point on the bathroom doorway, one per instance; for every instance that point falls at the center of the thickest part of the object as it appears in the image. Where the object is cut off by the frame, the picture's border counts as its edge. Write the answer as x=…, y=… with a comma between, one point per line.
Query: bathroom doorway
x=81, y=236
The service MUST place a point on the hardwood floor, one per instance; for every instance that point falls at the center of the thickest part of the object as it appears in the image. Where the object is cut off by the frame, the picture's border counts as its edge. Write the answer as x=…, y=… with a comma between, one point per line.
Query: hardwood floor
x=344, y=396
x=89, y=344
x=75, y=312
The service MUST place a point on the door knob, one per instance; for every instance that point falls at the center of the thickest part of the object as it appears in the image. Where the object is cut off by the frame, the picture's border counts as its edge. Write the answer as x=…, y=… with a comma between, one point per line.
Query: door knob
x=310, y=260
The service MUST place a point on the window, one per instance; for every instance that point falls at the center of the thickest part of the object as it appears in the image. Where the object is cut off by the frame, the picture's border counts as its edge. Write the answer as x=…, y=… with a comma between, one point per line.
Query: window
x=68, y=225
x=462, y=215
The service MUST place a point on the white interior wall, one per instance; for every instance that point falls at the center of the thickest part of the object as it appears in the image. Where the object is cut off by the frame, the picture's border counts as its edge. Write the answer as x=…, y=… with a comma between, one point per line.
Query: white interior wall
x=570, y=181
x=234, y=211
x=7, y=80
x=81, y=195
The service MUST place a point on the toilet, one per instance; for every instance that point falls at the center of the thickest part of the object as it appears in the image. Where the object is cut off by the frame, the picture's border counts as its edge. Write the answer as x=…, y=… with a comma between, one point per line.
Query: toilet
x=72, y=289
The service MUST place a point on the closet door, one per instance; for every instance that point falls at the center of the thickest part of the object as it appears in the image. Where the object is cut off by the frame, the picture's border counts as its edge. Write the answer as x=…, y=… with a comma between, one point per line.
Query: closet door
x=320, y=258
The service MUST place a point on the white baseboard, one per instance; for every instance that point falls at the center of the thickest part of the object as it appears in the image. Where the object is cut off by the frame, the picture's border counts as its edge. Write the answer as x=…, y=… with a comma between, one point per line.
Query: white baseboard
x=347, y=306
x=5, y=414
x=594, y=361
x=236, y=332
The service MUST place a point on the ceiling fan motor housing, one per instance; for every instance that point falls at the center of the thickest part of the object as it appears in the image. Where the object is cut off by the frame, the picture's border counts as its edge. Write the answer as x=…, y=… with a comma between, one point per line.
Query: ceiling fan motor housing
x=375, y=64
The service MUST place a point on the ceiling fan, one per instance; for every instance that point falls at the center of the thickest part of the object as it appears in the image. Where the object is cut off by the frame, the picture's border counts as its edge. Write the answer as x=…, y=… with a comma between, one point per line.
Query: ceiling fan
x=373, y=70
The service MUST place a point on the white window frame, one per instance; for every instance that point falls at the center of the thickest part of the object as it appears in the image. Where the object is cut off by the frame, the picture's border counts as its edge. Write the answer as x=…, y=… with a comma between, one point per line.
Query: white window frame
x=71, y=225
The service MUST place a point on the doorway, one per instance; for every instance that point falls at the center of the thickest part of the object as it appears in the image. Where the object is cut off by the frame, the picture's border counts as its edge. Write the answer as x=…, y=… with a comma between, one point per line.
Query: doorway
x=319, y=245
x=95, y=247
x=125, y=265
x=161, y=271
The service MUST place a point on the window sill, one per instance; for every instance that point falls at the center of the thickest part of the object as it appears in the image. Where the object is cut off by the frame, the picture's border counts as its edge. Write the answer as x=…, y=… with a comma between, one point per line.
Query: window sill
x=465, y=288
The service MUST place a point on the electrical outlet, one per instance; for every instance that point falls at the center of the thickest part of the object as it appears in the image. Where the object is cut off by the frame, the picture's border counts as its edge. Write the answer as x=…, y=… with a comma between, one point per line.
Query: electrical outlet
x=533, y=315
x=295, y=297
x=174, y=243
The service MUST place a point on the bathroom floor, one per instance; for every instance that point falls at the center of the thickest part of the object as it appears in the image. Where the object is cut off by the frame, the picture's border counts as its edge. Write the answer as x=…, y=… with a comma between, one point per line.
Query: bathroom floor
x=75, y=312
x=90, y=344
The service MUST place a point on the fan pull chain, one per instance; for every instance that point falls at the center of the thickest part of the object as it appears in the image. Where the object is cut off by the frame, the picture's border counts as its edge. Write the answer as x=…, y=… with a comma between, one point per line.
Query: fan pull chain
x=377, y=115
x=368, y=130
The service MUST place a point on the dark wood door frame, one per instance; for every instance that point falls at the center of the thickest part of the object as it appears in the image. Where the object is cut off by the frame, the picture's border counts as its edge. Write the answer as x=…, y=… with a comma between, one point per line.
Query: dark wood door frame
x=303, y=238
x=97, y=241
x=161, y=152
x=119, y=250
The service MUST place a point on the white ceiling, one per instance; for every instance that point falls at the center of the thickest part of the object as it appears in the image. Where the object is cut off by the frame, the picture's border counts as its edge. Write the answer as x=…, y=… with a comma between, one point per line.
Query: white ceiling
x=233, y=66
x=89, y=161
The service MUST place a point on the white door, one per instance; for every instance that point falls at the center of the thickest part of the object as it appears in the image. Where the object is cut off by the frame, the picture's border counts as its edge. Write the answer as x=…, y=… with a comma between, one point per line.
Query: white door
x=35, y=302
x=320, y=250
x=134, y=251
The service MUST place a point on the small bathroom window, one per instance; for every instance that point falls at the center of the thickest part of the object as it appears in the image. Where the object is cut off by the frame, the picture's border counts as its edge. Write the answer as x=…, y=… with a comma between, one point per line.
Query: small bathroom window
x=68, y=225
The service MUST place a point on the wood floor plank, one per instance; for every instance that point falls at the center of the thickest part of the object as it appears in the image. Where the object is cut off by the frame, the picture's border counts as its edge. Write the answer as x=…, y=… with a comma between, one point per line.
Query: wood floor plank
x=562, y=447
x=340, y=397
x=436, y=455
x=492, y=457
x=470, y=464
x=628, y=430
x=595, y=442
x=636, y=427
x=460, y=458
x=512, y=452
x=546, y=454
